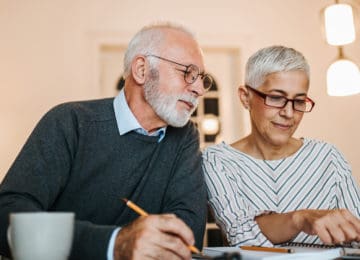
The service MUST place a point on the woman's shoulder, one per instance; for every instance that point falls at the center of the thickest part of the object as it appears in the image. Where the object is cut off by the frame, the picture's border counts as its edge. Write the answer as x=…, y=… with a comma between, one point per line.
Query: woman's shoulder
x=311, y=143
x=221, y=153
x=211, y=152
x=217, y=150
x=320, y=146
x=222, y=148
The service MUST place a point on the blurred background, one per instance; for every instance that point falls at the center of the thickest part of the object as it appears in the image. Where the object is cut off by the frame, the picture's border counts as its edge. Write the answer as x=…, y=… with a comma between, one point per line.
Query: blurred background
x=57, y=51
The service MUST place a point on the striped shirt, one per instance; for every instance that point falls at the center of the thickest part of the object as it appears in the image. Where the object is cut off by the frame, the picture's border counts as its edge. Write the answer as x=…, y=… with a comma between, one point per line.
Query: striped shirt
x=241, y=187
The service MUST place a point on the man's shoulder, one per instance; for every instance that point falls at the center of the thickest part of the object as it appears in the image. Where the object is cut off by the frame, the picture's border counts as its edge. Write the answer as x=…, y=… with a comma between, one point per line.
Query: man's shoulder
x=88, y=110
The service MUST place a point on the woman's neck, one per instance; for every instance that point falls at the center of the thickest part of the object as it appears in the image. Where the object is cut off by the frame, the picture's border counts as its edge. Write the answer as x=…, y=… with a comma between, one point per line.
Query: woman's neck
x=265, y=151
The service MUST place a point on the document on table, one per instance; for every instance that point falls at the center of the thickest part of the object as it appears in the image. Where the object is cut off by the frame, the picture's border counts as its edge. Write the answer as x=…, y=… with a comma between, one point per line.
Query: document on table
x=299, y=253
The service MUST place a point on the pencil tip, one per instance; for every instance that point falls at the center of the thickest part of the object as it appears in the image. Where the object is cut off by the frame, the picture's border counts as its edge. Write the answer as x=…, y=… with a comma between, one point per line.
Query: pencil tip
x=195, y=250
x=124, y=200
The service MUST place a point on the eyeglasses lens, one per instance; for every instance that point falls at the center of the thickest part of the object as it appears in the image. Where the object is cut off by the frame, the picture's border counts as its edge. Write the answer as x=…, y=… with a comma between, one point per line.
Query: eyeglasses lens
x=191, y=74
x=207, y=82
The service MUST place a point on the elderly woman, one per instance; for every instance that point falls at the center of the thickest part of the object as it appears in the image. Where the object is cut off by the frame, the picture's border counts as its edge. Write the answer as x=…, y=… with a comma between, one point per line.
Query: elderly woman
x=270, y=187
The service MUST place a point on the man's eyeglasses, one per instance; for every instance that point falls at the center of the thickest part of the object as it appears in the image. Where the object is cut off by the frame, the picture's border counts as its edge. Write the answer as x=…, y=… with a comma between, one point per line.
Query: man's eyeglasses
x=191, y=73
x=301, y=105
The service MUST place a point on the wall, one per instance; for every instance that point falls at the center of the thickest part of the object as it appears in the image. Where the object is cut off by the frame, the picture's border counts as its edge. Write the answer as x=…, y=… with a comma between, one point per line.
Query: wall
x=48, y=55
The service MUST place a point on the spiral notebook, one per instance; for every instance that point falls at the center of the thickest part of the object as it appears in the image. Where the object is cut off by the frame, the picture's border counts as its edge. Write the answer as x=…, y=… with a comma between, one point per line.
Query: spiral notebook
x=299, y=251
x=354, y=245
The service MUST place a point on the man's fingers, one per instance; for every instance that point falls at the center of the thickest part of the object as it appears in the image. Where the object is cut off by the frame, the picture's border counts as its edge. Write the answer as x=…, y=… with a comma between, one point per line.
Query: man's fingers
x=173, y=244
x=153, y=237
x=167, y=234
x=160, y=246
x=175, y=226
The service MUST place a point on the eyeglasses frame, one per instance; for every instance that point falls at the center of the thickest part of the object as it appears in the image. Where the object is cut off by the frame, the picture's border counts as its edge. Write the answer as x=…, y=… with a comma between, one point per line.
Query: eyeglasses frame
x=264, y=96
x=201, y=74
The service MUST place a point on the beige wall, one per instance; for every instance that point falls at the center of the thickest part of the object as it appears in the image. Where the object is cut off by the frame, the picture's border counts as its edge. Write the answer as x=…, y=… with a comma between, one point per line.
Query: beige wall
x=48, y=55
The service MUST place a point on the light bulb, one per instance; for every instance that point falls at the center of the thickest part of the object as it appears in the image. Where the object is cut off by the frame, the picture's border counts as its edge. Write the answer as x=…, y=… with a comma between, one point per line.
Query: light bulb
x=343, y=78
x=339, y=24
x=210, y=124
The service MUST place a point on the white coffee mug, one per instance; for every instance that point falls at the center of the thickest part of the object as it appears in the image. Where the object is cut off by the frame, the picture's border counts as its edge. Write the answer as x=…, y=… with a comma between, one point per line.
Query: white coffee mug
x=41, y=235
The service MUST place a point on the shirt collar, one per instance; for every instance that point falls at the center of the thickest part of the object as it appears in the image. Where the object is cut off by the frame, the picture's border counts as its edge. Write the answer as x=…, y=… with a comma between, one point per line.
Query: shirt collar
x=126, y=121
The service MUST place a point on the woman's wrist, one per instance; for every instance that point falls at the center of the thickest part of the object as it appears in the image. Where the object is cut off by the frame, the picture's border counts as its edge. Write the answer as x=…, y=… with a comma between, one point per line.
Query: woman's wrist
x=298, y=218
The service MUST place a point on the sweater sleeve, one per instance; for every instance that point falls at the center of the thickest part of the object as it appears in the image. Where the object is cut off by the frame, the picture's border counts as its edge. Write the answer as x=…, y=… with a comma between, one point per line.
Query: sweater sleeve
x=39, y=175
x=186, y=194
x=233, y=214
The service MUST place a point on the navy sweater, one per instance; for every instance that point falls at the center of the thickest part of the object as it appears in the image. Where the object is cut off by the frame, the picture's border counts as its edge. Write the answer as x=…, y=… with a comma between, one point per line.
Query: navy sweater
x=75, y=160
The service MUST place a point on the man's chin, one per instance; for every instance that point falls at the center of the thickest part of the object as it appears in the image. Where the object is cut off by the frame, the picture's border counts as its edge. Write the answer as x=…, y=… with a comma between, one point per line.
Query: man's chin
x=178, y=122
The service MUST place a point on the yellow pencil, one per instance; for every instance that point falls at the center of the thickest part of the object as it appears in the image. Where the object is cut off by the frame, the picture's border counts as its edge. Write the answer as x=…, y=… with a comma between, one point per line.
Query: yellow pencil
x=142, y=212
x=135, y=207
x=267, y=249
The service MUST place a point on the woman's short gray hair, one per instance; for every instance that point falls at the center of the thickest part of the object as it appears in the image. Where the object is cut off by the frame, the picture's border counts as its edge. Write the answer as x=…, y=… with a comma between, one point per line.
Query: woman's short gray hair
x=148, y=41
x=271, y=60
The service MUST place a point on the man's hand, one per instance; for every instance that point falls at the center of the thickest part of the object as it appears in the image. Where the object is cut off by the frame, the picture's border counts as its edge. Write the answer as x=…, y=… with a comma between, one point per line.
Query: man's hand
x=154, y=237
x=332, y=226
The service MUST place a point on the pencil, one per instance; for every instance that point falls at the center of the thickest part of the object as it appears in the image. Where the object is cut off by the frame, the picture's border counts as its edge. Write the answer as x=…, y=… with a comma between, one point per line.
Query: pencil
x=267, y=249
x=135, y=207
x=142, y=212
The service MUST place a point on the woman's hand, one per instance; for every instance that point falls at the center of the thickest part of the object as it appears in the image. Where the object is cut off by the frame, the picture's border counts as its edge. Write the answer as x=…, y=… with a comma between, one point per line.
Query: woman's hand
x=332, y=226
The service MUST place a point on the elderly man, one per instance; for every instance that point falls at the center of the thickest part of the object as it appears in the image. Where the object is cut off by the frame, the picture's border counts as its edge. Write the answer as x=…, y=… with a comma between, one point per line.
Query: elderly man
x=85, y=156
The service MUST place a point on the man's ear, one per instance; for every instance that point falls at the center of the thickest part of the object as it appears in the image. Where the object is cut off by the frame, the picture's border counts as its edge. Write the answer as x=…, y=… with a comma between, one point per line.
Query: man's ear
x=138, y=69
x=243, y=93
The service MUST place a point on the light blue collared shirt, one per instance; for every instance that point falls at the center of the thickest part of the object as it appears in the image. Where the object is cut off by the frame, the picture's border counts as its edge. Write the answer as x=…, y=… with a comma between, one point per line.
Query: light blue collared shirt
x=126, y=122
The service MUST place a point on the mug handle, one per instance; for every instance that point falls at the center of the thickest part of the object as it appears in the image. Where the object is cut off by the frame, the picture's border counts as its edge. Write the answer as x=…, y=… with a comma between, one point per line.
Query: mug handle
x=8, y=234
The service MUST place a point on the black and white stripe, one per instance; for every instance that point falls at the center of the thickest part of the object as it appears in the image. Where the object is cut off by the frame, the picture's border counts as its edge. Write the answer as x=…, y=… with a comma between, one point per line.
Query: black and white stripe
x=241, y=187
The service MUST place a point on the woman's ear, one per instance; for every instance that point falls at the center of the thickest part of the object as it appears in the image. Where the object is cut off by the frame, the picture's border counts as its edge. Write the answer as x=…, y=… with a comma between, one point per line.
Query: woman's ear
x=138, y=69
x=243, y=93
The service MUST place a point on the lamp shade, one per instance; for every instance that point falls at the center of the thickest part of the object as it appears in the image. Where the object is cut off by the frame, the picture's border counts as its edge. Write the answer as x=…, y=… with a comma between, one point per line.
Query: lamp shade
x=339, y=24
x=343, y=78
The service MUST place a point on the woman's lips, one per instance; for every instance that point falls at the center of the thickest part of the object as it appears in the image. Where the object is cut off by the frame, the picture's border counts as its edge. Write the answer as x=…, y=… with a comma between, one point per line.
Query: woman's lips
x=282, y=126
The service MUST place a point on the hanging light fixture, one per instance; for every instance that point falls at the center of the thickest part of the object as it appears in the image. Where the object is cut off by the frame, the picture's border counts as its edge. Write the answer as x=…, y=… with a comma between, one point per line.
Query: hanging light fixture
x=210, y=124
x=343, y=75
x=339, y=24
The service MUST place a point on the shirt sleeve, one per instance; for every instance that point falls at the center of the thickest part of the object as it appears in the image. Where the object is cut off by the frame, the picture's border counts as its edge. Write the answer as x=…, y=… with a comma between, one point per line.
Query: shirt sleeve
x=235, y=216
x=348, y=192
x=110, y=250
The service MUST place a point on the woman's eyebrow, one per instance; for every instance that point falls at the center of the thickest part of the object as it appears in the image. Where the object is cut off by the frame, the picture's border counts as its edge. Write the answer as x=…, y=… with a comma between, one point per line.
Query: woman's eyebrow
x=280, y=91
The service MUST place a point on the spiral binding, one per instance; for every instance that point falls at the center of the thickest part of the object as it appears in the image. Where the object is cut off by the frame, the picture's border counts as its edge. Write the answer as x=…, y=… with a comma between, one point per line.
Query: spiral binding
x=297, y=244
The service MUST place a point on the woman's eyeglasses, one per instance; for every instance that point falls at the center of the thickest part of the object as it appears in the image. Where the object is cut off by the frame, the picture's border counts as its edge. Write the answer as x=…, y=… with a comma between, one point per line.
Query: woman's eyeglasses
x=301, y=105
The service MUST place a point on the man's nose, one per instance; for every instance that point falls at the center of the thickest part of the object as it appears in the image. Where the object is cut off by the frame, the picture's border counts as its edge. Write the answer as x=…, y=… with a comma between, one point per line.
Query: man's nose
x=198, y=87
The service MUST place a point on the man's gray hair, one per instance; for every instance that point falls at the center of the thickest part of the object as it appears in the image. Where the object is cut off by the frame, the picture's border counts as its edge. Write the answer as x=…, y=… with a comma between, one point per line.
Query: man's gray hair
x=271, y=60
x=148, y=41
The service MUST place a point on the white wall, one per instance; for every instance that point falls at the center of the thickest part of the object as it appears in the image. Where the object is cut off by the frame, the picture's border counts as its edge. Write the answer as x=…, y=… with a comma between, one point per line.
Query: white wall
x=48, y=55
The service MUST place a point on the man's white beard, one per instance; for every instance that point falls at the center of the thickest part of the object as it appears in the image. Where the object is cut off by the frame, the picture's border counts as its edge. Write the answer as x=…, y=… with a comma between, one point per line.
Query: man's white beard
x=164, y=104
